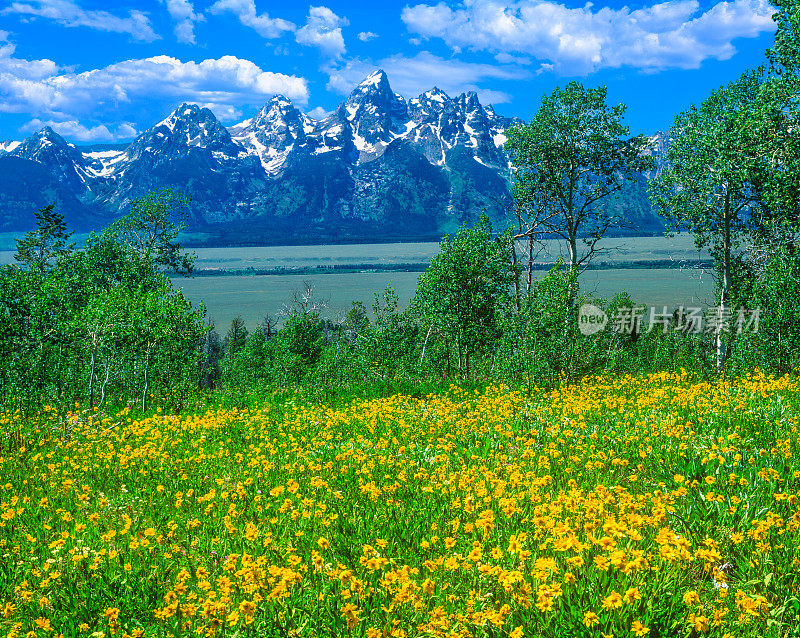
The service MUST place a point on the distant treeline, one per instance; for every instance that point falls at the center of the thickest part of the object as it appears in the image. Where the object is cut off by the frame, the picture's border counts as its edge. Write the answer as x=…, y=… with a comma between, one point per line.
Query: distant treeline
x=422, y=266
x=219, y=239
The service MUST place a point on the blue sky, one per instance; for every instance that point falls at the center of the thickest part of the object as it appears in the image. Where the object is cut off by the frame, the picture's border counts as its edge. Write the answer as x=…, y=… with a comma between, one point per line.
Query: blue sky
x=99, y=71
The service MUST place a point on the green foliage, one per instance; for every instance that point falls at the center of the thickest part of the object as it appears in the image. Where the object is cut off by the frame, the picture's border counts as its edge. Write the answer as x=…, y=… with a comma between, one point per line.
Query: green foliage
x=538, y=342
x=568, y=160
x=393, y=338
x=48, y=242
x=150, y=230
x=785, y=53
x=776, y=129
x=298, y=346
x=135, y=341
x=93, y=325
x=705, y=185
x=466, y=288
x=776, y=296
x=712, y=183
x=211, y=361
x=248, y=365
x=236, y=338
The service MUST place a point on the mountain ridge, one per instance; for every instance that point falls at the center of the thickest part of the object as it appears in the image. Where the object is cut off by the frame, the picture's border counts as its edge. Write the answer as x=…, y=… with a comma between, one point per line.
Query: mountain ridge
x=378, y=167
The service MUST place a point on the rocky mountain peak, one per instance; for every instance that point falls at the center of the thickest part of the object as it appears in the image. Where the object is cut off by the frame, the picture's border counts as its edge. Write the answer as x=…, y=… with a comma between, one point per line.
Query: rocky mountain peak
x=433, y=100
x=377, y=81
x=373, y=97
x=469, y=102
x=198, y=123
x=48, y=146
x=44, y=138
x=185, y=112
x=188, y=126
x=279, y=110
x=376, y=115
x=276, y=130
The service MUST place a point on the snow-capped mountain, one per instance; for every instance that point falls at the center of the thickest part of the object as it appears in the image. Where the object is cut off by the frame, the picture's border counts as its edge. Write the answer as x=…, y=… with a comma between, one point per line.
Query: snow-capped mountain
x=65, y=161
x=371, y=118
x=191, y=151
x=378, y=166
x=275, y=131
x=376, y=116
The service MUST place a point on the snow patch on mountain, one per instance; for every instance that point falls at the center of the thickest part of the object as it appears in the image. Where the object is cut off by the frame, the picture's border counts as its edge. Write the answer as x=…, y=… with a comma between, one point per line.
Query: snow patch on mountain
x=9, y=146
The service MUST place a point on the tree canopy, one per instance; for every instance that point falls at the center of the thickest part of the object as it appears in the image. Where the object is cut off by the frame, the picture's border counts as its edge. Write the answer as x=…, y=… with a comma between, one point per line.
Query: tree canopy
x=572, y=156
x=49, y=241
x=466, y=288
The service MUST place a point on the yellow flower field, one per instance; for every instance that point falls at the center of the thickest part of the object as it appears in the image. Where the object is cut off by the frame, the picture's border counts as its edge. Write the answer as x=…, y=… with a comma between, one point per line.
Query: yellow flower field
x=640, y=506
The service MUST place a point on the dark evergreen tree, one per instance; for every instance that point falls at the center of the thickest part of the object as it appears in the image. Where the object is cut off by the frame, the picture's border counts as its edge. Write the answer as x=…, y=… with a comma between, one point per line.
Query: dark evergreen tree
x=236, y=337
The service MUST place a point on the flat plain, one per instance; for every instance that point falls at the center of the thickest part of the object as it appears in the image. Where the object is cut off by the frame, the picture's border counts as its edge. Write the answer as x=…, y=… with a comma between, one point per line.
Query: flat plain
x=365, y=269
x=258, y=295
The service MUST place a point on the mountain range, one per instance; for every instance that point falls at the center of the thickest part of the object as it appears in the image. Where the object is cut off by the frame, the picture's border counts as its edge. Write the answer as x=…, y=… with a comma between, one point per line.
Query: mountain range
x=378, y=168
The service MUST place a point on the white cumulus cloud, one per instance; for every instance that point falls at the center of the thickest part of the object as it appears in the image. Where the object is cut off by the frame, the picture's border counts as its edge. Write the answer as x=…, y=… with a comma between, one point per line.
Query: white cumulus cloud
x=366, y=36
x=245, y=10
x=20, y=70
x=672, y=34
x=318, y=113
x=68, y=13
x=182, y=12
x=226, y=80
x=138, y=91
x=77, y=132
x=323, y=29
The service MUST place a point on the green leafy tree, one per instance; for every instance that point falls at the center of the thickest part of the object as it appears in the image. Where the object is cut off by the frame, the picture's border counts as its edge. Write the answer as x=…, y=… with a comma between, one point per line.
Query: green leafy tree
x=211, y=368
x=392, y=336
x=298, y=345
x=151, y=228
x=47, y=243
x=572, y=157
x=775, y=130
x=785, y=53
x=466, y=288
x=539, y=342
x=92, y=325
x=706, y=185
x=776, y=298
